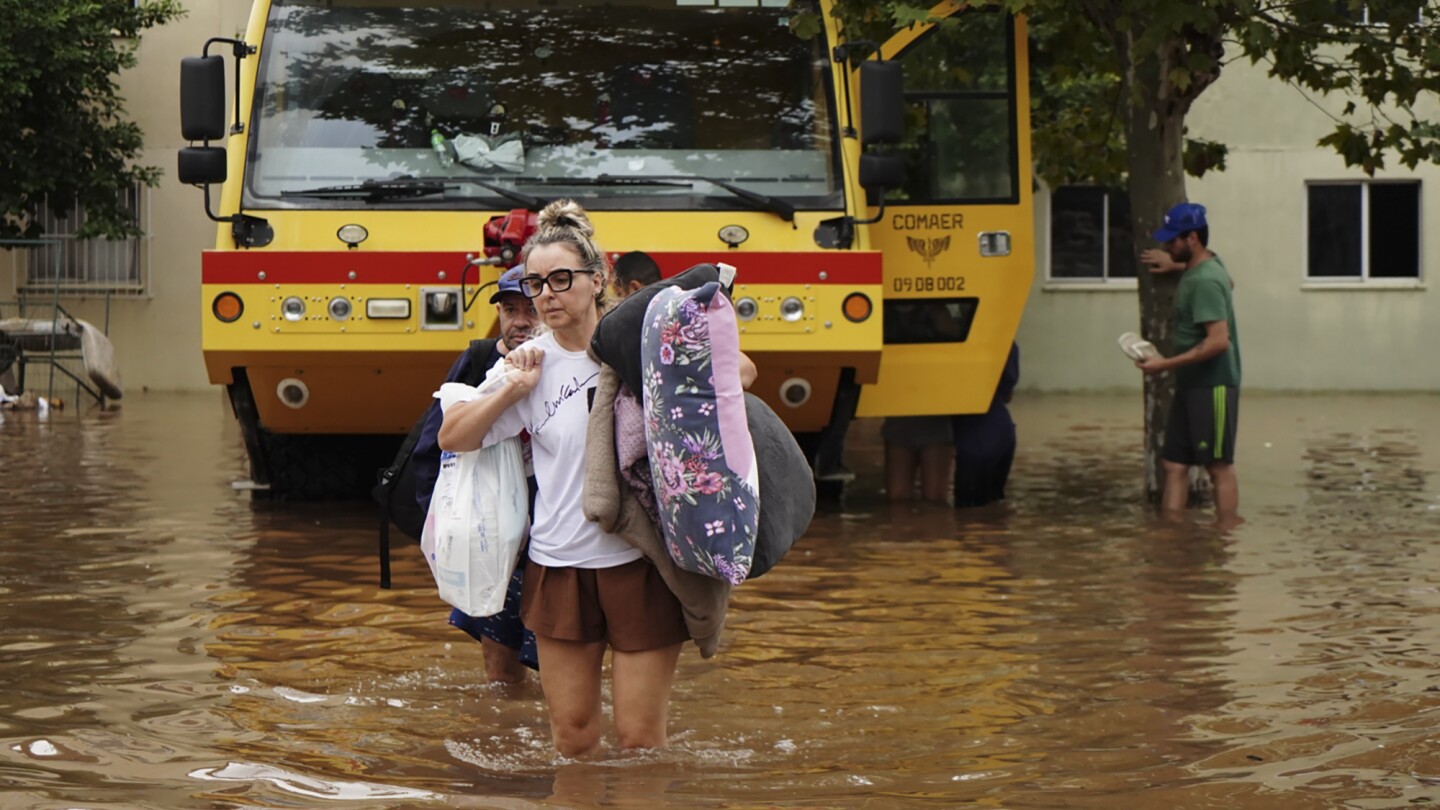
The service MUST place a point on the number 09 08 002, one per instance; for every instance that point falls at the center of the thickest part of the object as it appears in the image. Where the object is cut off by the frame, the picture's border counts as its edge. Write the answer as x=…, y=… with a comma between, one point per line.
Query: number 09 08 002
x=929, y=284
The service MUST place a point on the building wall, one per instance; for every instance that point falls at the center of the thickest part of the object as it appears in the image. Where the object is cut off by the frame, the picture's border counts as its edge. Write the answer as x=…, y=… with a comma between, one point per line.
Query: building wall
x=1294, y=334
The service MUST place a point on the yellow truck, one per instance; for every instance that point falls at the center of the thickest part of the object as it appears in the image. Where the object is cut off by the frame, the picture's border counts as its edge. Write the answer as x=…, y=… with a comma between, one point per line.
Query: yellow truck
x=379, y=162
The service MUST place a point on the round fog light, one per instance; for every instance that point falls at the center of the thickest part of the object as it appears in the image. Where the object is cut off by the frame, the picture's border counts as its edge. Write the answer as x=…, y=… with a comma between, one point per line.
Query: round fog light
x=293, y=308
x=746, y=309
x=792, y=309
x=340, y=308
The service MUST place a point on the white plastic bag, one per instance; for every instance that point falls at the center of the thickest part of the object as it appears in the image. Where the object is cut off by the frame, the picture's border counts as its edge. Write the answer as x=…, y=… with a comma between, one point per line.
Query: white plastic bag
x=478, y=519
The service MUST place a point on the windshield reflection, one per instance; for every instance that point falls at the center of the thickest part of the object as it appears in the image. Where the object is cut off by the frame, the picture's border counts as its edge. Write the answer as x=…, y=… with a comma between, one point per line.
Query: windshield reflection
x=528, y=98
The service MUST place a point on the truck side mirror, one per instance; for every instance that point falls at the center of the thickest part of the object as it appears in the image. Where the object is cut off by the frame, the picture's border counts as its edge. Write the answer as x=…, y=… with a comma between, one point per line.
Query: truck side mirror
x=882, y=103
x=202, y=98
x=202, y=118
x=878, y=172
x=202, y=165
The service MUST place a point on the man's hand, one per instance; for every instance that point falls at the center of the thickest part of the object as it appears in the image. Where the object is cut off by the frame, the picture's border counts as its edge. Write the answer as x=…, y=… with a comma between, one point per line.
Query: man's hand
x=1153, y=365
x=1160, y=262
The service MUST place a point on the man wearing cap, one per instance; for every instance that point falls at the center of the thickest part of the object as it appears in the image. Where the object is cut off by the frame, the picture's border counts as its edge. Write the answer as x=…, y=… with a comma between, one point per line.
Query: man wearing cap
x=507, y=646
x=1204, y=414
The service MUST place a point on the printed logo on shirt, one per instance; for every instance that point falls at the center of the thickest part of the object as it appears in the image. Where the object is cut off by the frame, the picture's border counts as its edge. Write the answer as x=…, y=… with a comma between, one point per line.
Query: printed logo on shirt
x=567, y=390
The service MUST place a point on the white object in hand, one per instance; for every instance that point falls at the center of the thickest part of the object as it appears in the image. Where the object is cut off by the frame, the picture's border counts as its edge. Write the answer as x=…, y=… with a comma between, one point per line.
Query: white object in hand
x=1137, y=348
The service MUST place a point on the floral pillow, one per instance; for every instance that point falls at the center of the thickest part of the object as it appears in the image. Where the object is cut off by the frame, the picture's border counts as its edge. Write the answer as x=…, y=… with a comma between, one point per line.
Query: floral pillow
x=702, y=459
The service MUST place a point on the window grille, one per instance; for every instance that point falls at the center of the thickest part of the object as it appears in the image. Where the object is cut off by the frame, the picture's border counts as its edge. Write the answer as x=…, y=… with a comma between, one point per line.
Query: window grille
x=116, y=266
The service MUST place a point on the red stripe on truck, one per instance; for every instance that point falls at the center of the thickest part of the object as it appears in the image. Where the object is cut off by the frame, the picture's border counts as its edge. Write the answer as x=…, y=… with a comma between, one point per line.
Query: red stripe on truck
x=354, y=267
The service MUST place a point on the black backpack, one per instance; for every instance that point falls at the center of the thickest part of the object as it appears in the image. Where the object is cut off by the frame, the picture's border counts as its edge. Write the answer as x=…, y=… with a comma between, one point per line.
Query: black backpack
x=395, y=485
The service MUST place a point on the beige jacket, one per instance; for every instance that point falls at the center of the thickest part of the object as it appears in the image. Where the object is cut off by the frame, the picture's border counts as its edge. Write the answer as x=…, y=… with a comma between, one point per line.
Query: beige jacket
x=609, y=501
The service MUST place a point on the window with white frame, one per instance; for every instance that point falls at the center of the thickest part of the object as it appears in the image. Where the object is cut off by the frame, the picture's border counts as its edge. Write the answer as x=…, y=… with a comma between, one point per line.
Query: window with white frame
x=1362, y=231
x=87, y=265
x=1363, y=14
x=1090, y=235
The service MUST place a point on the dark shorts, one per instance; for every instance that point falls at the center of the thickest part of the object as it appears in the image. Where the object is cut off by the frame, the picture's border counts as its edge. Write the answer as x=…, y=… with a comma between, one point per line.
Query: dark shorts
x=629, y=606
x=1202, y=426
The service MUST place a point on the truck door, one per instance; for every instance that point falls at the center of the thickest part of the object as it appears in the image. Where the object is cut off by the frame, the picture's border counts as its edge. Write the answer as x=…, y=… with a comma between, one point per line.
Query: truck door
x=957, y=237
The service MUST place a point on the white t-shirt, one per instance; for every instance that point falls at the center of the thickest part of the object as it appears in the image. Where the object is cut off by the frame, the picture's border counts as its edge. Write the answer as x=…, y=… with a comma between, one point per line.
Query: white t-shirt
x=557, y=415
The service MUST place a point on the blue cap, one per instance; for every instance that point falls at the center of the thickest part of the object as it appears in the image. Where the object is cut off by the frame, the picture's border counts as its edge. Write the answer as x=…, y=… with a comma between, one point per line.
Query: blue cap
x=509, y=283
x=1182, y=218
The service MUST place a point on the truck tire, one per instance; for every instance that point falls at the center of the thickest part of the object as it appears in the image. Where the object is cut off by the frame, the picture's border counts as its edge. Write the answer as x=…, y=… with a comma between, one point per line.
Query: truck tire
x=313, y=467
x=307, y=466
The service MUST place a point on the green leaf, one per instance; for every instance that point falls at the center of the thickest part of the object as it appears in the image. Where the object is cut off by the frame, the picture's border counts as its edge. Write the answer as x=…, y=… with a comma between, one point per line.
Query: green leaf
x=806, y=25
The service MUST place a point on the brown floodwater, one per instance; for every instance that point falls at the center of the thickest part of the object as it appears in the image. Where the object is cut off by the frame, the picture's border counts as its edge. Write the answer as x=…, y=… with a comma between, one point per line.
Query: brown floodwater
x=167, y=643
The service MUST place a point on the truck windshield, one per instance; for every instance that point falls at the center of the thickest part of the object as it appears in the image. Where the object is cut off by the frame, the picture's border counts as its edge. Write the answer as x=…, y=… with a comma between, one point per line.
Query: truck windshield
x=543, y=100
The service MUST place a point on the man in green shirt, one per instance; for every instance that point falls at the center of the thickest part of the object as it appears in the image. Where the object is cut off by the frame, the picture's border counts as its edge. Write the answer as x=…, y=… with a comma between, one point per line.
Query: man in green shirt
x=1203, y=417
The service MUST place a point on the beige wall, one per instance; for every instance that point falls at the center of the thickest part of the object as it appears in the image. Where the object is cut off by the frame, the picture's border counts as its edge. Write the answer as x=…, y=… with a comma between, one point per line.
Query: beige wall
x=1294, y=335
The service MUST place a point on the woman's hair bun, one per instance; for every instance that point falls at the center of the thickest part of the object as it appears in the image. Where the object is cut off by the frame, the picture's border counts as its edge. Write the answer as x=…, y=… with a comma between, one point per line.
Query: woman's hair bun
x=565, y=214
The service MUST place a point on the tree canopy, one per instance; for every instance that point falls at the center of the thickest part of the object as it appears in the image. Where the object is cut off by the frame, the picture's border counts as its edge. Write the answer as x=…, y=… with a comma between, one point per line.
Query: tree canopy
x=63, y=133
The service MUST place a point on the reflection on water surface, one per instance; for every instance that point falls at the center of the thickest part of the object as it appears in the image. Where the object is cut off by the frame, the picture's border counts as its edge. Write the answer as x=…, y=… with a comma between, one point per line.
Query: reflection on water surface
x=168, y=644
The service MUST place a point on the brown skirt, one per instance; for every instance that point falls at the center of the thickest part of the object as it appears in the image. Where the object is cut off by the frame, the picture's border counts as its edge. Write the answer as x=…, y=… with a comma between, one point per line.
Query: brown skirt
x=628, y=606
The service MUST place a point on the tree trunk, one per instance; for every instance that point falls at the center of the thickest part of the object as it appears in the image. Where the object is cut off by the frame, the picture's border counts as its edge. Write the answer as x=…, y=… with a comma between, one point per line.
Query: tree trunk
x=1155, y=129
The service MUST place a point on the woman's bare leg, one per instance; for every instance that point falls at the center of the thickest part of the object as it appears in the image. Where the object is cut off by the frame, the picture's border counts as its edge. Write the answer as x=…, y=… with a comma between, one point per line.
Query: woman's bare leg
x=570, y=676
x=641, y=689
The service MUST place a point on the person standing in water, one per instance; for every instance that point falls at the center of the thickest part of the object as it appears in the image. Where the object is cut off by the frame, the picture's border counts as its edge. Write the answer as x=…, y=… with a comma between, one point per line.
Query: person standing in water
x=585, y=589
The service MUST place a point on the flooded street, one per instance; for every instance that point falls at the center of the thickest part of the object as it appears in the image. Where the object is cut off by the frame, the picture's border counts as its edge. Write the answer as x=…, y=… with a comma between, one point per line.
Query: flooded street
x=167, y=643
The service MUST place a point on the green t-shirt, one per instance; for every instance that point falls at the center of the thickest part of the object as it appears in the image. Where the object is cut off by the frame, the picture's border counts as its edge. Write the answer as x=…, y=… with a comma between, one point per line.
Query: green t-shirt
x=1203, y=297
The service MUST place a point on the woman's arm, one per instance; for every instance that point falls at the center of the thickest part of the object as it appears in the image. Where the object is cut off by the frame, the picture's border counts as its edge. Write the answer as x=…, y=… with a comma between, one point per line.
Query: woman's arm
x=466, y=423
x=748, y=372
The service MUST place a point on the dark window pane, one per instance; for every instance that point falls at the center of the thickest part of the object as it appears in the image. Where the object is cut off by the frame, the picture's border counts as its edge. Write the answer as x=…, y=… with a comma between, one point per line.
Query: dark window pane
x=1334, y=231
x=1395, y=230
x=1123, y=261
x=959, y=141
x=957, y=149
x=1077, y=232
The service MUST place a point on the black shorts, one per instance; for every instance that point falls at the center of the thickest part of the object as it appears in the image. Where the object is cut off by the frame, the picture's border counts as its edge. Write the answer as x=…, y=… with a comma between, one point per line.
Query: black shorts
x=1202, y=425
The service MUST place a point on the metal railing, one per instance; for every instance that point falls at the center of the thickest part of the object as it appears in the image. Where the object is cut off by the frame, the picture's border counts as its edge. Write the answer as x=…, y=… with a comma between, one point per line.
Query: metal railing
x=18, y=352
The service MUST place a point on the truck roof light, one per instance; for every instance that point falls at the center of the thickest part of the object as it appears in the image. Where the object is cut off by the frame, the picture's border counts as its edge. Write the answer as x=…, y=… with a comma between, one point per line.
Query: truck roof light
x=352, y=234
x=733, y=235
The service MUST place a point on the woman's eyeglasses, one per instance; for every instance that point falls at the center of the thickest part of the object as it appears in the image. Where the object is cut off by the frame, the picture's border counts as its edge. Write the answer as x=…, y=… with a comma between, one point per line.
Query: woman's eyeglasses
x=559, y=281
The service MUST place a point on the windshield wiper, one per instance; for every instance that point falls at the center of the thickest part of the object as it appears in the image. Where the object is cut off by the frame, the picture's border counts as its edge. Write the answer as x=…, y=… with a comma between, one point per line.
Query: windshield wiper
x=530, y=203
x=375, y=190
x=774, y=205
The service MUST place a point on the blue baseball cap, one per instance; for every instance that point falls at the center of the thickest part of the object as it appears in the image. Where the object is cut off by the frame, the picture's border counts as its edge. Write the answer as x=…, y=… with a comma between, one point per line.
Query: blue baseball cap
x=509, y=283
x=1182, y=218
